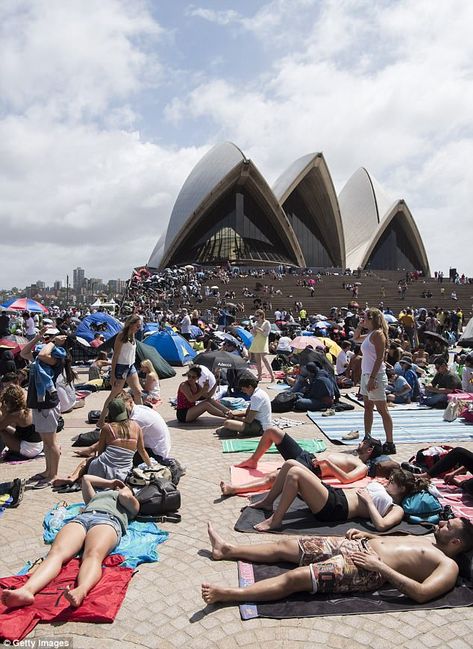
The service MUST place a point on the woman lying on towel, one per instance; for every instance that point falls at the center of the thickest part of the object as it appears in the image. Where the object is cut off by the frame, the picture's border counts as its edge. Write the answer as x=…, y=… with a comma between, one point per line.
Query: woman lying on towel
x=377, y=503
x=97, y=531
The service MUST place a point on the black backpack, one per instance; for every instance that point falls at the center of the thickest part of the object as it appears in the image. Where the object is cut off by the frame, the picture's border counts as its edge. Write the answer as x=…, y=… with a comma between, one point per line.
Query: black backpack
x=284, y=401
x=159, y=501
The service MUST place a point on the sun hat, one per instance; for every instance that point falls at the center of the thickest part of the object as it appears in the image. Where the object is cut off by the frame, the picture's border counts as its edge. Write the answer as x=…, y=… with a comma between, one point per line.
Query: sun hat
x=117, y=410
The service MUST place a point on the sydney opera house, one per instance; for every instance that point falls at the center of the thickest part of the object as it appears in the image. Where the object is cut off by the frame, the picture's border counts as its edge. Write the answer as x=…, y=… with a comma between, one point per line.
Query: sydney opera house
x=227, y=211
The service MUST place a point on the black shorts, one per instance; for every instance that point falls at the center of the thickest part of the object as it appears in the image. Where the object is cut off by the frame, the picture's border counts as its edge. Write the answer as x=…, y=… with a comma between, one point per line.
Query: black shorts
x=181, y=414
x=335, y=509
x=290, y=450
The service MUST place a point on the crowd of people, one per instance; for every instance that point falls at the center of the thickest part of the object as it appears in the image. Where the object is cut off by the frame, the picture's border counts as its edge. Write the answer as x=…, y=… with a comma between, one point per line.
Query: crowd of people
x=384, y=361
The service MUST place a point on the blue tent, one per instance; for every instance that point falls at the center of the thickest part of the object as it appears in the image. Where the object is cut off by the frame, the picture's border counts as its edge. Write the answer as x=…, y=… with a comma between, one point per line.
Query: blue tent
x=173, y=348
x=244, y=335
x=98, y=323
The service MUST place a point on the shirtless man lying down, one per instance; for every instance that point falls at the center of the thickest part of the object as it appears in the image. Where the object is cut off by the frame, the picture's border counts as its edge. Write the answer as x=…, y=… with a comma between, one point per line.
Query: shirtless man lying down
x=421, y=568
x=347, y=467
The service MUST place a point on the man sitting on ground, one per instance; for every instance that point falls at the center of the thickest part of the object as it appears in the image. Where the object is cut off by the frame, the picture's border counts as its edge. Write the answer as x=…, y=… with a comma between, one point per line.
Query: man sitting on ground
x=257, y=417
x=418, y=567
x=443, y=383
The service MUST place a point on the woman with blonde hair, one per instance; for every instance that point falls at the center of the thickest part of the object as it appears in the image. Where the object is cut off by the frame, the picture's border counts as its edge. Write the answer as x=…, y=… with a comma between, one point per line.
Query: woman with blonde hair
x=372, y=333
x=123, y=365
x=260, y=345
x=151, y=389
x=16, y=424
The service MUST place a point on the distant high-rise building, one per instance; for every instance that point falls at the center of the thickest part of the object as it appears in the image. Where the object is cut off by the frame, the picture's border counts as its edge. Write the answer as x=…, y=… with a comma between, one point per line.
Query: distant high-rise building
x=78, y=278
x=58, y=285
x=116, y=285
x=40, y=285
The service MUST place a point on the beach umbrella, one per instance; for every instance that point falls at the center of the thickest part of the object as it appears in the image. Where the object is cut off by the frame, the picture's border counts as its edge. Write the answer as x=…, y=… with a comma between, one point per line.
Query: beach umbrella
x=24, y=304
x=196, y=331
x=390, y=319
x=333, y=347
x=214, y=288
x=224, y=336
x=275, y=329
x=219, y=360
x=301, y=342
x=244, y=335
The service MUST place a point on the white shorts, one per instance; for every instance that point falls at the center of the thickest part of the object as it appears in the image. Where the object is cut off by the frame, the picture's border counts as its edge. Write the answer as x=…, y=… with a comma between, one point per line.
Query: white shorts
x=381, y=383
x=30, y=449
x=46, y=421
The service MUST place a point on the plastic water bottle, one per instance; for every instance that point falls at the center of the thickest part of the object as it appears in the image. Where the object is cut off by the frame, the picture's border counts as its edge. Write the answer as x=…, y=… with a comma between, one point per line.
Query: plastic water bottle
x=58, y=517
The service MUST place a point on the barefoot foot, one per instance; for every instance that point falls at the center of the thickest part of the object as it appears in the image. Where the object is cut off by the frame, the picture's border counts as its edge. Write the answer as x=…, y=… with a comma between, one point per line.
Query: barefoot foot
x=74, y=596
x=220, y=548
x=227, y=490
x=247, y=464
x=213, y=594
x=20, y=597
x=267, y=525
x=262, y=504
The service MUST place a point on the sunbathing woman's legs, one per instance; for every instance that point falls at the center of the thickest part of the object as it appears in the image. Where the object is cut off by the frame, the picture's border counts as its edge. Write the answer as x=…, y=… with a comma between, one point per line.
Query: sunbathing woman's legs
x=99, y=542
x=258, y=484
x=67, y=543
x=298, y=480
x=201, y=407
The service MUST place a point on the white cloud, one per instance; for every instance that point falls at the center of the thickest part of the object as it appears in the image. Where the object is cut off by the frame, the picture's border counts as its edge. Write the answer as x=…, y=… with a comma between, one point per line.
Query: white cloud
x=386, y=86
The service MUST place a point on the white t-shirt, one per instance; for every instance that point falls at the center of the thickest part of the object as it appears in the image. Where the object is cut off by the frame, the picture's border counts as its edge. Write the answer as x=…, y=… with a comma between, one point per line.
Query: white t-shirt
x=261, y=404
x=155, y=431
x=207, y=375
x=284, y=344
x=342, y=361
x=30, y=328
x=186, y=324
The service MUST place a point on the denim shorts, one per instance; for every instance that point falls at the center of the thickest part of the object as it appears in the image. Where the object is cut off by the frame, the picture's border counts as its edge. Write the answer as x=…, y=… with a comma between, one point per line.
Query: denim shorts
x=122, y=372
x=88, y=520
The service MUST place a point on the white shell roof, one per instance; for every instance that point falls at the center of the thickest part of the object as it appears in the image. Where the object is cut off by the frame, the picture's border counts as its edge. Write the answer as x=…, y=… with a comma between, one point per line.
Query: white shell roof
x=158, y=252
x=207, y=173
x=363, y=205
x=291, y=174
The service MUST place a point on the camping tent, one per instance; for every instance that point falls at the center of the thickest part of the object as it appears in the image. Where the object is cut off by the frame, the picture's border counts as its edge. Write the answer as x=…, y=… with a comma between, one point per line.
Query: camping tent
x=466, y=339
x=98, y=323
x=162, y=367
x=173, y=348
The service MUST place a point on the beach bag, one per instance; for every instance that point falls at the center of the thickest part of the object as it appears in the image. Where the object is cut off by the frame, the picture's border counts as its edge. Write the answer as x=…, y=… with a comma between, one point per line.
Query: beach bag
x=427, y=457
x=142, y=477
x=87, y=439
x=158, y=499
x=422, y=507
x=284, y=401
x=453, y=409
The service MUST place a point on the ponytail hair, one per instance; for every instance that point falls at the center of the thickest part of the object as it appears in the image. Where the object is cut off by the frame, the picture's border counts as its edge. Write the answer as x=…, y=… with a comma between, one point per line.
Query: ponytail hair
x=410, y=482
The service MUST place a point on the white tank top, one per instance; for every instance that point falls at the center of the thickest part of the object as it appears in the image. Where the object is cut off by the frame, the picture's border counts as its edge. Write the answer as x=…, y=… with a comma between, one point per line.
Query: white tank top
x=127, y=355
x=381, y=499
x=368, y=357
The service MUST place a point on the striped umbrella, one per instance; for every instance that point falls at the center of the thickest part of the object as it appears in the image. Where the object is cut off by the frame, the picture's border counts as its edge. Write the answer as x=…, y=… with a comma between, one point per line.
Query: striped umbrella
x=24, y=304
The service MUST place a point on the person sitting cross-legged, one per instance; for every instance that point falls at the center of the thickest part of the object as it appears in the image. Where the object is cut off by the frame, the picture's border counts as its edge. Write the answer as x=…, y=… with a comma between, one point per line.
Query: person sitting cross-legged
x=419, y=567
x=97, y=530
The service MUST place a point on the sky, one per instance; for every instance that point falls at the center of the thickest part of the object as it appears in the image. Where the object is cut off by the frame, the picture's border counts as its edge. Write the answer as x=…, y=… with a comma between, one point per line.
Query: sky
x=107, y=105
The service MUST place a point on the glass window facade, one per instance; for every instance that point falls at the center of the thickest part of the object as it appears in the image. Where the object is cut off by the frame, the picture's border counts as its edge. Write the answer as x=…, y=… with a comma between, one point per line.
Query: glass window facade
x=394, y=250
x=310, y=237
x=237, y=228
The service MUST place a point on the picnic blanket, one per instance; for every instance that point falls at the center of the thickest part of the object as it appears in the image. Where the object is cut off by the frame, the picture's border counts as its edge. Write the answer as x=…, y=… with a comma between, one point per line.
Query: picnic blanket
x=352, y=396
x=240, y=476
x=460, y=501
x=101, y=604
x=300, y=520
x=138, y=545
x=410, y=427
x=385, y=599
x=249, y=445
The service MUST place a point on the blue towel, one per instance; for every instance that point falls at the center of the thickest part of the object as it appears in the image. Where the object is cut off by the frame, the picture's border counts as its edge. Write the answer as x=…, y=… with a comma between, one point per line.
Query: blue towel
x=43, y=374
x=138, y=545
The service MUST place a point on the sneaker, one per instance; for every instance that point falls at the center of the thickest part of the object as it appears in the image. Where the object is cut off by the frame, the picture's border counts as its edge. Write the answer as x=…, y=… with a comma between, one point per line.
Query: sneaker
x=353, y=434
x=389, y=448
x=328, y=413
x=17, y=491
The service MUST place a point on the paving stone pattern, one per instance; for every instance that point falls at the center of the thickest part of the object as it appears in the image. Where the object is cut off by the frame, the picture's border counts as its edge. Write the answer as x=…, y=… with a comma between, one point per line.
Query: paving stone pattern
x=163, y=608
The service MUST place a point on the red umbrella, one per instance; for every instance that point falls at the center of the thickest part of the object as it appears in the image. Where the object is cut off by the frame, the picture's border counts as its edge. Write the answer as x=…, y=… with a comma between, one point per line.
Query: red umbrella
x=24, y=304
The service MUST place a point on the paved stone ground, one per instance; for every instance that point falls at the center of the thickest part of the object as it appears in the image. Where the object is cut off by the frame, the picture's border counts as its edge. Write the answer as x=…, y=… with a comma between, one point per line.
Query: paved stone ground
x=163, y=608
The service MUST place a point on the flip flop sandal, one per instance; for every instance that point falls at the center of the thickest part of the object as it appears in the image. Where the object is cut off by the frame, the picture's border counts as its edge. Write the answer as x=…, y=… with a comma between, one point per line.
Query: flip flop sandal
x=69, y=489
x=353, y=434
x=35, y=478
x=42, y=484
